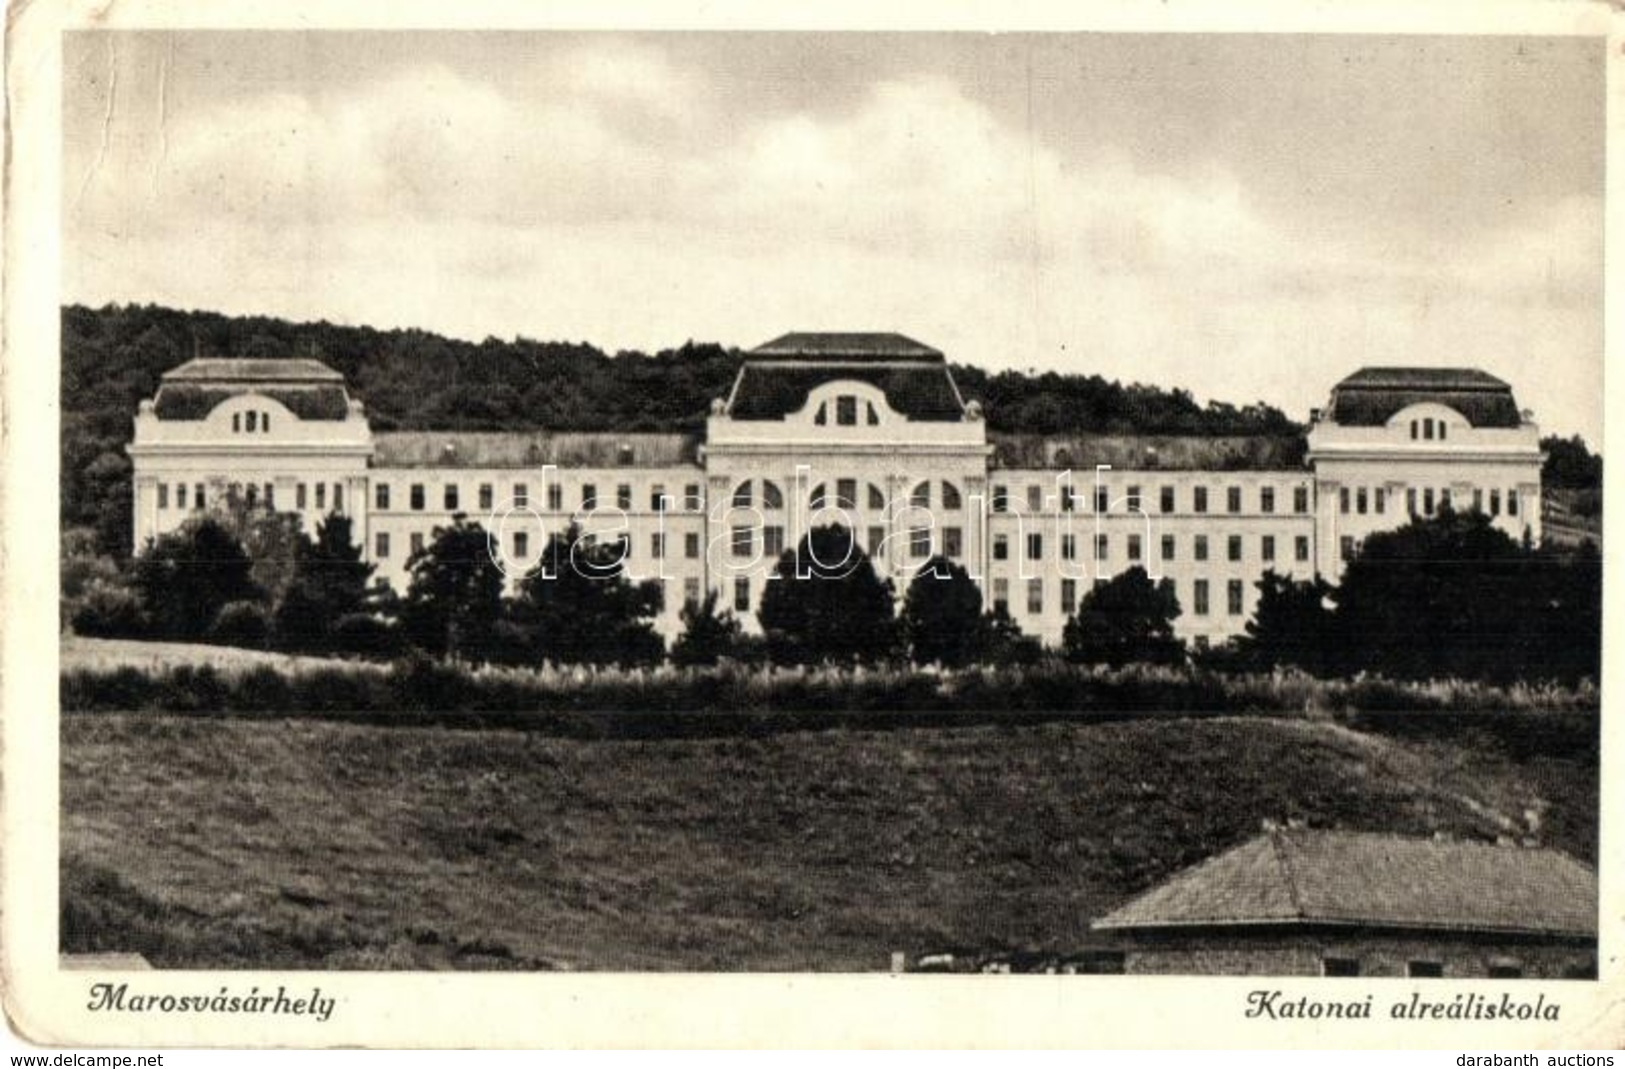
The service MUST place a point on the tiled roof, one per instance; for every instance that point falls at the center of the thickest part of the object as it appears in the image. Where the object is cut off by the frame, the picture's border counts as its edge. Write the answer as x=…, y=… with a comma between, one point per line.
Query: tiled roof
x=218, y=370
x=1132, y=452
x=528, y=449
x=850, y=346
x=1371, y=396
x=1301, y=876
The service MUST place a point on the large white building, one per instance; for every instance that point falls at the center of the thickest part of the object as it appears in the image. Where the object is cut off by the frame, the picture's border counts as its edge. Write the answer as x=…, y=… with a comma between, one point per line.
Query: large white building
x=868, y=430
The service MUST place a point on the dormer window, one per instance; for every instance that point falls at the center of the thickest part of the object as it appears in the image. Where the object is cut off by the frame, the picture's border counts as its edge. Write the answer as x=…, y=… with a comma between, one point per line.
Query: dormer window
x=252, y=422
x=846, y=411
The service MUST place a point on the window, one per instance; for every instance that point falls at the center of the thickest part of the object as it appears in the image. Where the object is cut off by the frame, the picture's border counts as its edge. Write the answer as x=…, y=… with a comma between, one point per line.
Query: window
x=1410, y=500
x=1512, y=502
x=417, y=542
x=692, y=498
x=270, y=494
x=1427, y=500
x=1505, y=969
x=1103, y=499
x=555, y=496
x=521, y=545
x=919, y=542
x=1343, y=499
x=1424, y=969
x=691, y=545
x=1340, y=967
x=265, y=422
x=742, y=594
x=1069, y=595
x=921, y=497
x=691, y=590
x=1167, y=499
x=1266, y=547
x=416, y=495
x=1167, y=547
x=589, y=497
x=1360, y=501
x=1134, y=549
x=1133, y=498
x=321, y=497
x=1414, y=429
x=953, y=542
x=380, y=496
x=877, y=539
x=877, y=500
x=1069, y=547
x=197, y=496
x=1266, y=499
x=950, y=497
x=772, y=496
x=1427, y=430
x=1001, y=547
x=380, y=545
x=487, y=497
x=657, y=545
x=743, y=540
x=623, y=497
x=1380, y=497
x=1300, y=548
x=451, y=497
x=1001, y=595
x=657, y=498
x=251, y=422
x=1232, y=499
x=1478, y=499
x=1001, y=499
x=338, y=497
x=1443, y=426
x=1199, y=499
x=1035, y=596
x=1199, y=547
x=1232, y=548
x=1101, y=547
x=846, y=493
x=1346, y=547
x=163, y=495
x=1300, y=499
x=1035, y=499
x=773, y=541
x=1444, y=498
x=1495, y=502
x=1035, y=546
x=1069, y=498
x=846, y=410
x=1232, y=597
x=1199, y=597
x=742, y=495
x=236, y=423
x=180, y=495
x=820, y=417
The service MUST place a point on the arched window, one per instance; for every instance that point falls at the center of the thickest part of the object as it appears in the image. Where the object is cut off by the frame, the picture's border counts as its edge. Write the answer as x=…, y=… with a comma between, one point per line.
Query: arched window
x=265, y=422
x=1442, y=426
x=252, y=422
x=742, y=495
x=1414, y=430
x=236, y=422
x=877, y=500
x=921, y=497
x=950, y=496
x=772, y=496
x=816, y=501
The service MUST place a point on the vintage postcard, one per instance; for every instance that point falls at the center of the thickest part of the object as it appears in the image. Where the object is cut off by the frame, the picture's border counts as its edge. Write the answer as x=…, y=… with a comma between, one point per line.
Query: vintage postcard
x=666, y=526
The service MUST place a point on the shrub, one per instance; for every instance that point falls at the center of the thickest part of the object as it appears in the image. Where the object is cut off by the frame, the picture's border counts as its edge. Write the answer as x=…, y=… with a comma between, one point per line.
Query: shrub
x=109, y=612
x=366, y=636
x=241, y=623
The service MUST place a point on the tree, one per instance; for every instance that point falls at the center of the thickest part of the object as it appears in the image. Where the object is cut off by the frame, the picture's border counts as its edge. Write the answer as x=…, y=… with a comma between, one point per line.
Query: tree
x=1128, y=618
x=1570, y=464
x=1000, y=640
x=187, y=576
x=329, y=581
x=942, y=615
x=1292, y=625
x=580, y=608
x=1453, y=595
x=824, y=602
x=455, y=596
x=708, y=635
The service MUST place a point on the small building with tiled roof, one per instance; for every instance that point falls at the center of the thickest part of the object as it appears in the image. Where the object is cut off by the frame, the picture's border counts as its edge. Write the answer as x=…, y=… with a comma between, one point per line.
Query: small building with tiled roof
x=1297, y=901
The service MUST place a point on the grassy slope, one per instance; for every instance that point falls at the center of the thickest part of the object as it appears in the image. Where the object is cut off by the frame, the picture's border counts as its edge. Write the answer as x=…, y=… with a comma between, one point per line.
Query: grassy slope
x=310, y=844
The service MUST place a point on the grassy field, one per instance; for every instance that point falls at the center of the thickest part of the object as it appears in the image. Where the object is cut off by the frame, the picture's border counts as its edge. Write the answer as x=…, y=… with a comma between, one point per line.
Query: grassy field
x=102, y=654
x=307, y=843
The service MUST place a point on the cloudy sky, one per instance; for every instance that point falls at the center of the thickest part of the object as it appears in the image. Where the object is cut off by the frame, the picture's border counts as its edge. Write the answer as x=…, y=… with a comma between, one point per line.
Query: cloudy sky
x=1246, y=216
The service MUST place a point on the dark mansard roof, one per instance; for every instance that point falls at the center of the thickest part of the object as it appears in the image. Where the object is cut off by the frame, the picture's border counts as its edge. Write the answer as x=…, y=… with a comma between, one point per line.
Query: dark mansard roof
x=777, y=377
x=1317, y=877
x=310, y=389
x=1371, y=396
x=529, y=449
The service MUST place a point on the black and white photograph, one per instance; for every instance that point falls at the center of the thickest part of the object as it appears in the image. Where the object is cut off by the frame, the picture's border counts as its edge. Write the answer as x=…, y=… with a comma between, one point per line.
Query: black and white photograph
x=932, y=504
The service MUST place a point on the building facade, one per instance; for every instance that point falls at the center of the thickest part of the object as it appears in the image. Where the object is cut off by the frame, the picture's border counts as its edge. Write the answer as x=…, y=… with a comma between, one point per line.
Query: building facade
x=869, y=431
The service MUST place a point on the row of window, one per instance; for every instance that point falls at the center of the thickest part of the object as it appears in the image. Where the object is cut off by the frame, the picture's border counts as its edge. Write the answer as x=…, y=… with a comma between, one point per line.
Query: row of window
x=253, y=422
x=1168, y=548
x=1424, y=501
x=451, y=499
x=254, y=495
x=1235, y=595
x=1501, y=969
x=1167, y=499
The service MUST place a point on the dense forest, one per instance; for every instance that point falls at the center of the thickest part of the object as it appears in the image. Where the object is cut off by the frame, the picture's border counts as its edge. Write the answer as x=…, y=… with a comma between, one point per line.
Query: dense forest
x=113, y=356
